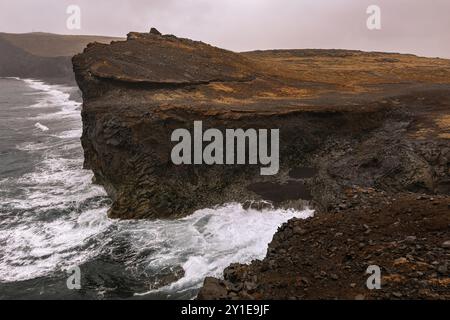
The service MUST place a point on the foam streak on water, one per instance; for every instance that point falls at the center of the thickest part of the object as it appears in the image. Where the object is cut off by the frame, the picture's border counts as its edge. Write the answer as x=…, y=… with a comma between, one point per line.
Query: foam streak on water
x=52, y=217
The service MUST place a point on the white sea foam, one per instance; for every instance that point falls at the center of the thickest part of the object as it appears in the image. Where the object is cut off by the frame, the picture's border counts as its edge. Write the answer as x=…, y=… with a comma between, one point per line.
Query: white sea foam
x=35, y=247
x=11, y=78
x=54, y=96
x=38, y=248
x=41, y=126
x=70, y=134
x=31, y=146
x=205, y=243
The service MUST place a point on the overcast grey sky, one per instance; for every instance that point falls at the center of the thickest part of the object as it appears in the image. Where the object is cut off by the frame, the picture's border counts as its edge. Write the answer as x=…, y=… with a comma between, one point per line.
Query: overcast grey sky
x=411, y=26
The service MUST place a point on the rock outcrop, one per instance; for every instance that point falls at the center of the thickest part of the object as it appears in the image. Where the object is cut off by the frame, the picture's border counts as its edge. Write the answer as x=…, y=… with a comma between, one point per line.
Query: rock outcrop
x=346, y=118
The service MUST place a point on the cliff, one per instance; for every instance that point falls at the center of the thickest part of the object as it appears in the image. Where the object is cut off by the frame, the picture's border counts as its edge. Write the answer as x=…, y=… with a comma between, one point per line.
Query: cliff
x=364, y=138
x=345, y=118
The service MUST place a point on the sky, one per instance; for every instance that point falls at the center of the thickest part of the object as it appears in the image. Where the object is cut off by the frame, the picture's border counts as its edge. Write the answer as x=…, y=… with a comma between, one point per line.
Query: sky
x=408, y=26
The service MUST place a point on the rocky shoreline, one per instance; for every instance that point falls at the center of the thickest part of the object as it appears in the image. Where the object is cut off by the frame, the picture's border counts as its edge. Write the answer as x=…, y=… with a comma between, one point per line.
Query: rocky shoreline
x=326, y=257
x=372, y=125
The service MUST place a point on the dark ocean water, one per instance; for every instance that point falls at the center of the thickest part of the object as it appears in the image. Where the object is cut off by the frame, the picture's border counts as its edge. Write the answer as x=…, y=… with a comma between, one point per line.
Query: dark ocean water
x=53, y=218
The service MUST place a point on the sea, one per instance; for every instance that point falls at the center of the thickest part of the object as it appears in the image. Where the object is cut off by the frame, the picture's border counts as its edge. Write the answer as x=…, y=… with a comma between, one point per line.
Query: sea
x=53, y=219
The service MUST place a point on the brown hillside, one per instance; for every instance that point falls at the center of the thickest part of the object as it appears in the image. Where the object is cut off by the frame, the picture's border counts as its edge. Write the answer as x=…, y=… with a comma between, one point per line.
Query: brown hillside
x=53, y=45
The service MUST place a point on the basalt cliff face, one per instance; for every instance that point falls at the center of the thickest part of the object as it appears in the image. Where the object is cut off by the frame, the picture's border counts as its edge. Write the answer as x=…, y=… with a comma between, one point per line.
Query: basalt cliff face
x=346, y=118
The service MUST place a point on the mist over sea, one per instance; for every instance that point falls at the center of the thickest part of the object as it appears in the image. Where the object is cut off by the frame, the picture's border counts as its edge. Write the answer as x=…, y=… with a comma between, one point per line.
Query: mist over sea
x=52, y=217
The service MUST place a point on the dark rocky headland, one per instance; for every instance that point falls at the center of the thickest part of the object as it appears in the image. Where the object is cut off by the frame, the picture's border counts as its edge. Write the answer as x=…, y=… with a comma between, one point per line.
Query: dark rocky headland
x=364, y=139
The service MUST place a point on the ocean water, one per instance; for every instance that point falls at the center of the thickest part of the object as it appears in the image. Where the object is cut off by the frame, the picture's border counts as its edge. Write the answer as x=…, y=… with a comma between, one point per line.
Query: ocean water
x=53, y=218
